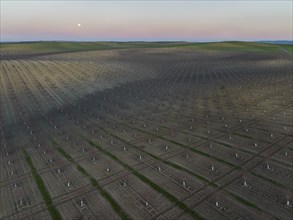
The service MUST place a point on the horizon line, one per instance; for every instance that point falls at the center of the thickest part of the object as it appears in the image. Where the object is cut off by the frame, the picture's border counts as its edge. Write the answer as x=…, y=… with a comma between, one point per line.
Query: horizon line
x=142, y=41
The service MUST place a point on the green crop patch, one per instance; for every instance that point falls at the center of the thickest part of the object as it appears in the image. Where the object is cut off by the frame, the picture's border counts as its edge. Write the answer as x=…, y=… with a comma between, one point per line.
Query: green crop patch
x=287, y=47
x=245, y=202
x=115, y=206
x=176, y=166
x=269, y=180
x=156, y=187
x=67, y=156
x=42, y=188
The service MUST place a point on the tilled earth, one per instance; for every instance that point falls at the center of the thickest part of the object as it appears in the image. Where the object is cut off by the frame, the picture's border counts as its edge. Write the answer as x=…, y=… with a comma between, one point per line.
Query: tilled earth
x=173, y=133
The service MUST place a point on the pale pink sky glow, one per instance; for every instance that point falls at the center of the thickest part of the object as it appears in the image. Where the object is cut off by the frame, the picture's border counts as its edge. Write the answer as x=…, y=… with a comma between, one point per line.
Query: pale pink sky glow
x=142, y=20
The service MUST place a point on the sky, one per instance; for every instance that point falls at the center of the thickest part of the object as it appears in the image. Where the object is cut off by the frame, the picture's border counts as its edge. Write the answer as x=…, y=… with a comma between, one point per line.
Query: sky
x=145, y=20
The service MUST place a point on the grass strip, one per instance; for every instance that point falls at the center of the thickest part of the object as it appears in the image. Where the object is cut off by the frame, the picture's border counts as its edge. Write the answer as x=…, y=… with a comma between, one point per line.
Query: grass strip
x=245, y=202
x=269, y=180
x=223, y=144
x=202, y=153
x=116, y=207
x=240, y=199
x=66, y=155
x=242, y=135
x=146, y=180
x=232, y=147
x=176, y=166
x=42, y=188
x=190, y=148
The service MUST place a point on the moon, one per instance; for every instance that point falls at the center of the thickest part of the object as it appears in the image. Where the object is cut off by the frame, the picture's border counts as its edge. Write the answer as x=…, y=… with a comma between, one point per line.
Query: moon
x=78, y=25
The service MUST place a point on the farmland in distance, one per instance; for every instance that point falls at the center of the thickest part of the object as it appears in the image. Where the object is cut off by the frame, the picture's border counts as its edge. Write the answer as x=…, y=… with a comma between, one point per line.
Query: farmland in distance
x=146, y=131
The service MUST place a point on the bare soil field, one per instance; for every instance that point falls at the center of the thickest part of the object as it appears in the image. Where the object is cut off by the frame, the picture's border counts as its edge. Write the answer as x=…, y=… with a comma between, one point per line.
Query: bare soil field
x=158, y=132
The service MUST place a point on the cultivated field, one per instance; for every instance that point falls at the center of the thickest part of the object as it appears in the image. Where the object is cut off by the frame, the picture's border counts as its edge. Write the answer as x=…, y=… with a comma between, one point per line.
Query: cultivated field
x=146, y=131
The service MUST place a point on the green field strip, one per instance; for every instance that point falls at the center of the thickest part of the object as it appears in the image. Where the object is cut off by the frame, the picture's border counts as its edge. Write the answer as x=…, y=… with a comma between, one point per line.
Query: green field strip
x=51, y=47
x=282, y=163
x=213, y=183
x=261, y=129
x=64, y=47
x=187, y=147
x=202, y=153
x=247, y=203
x=244, y=201
x=115, y=206
x=54, y=213
x=224, y=144
x=176, y=166
x=269, y=180
x=243, y=135
x=287, y=47
x=210, y=156
x=291, y=135
x=203, y=137
x=146, y=180
x=248, y=152
x=260, y=176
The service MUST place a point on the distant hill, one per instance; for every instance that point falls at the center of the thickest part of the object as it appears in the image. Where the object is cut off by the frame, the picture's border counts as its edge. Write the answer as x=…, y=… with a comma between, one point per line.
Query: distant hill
x=31, y=49
x=276, y=42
